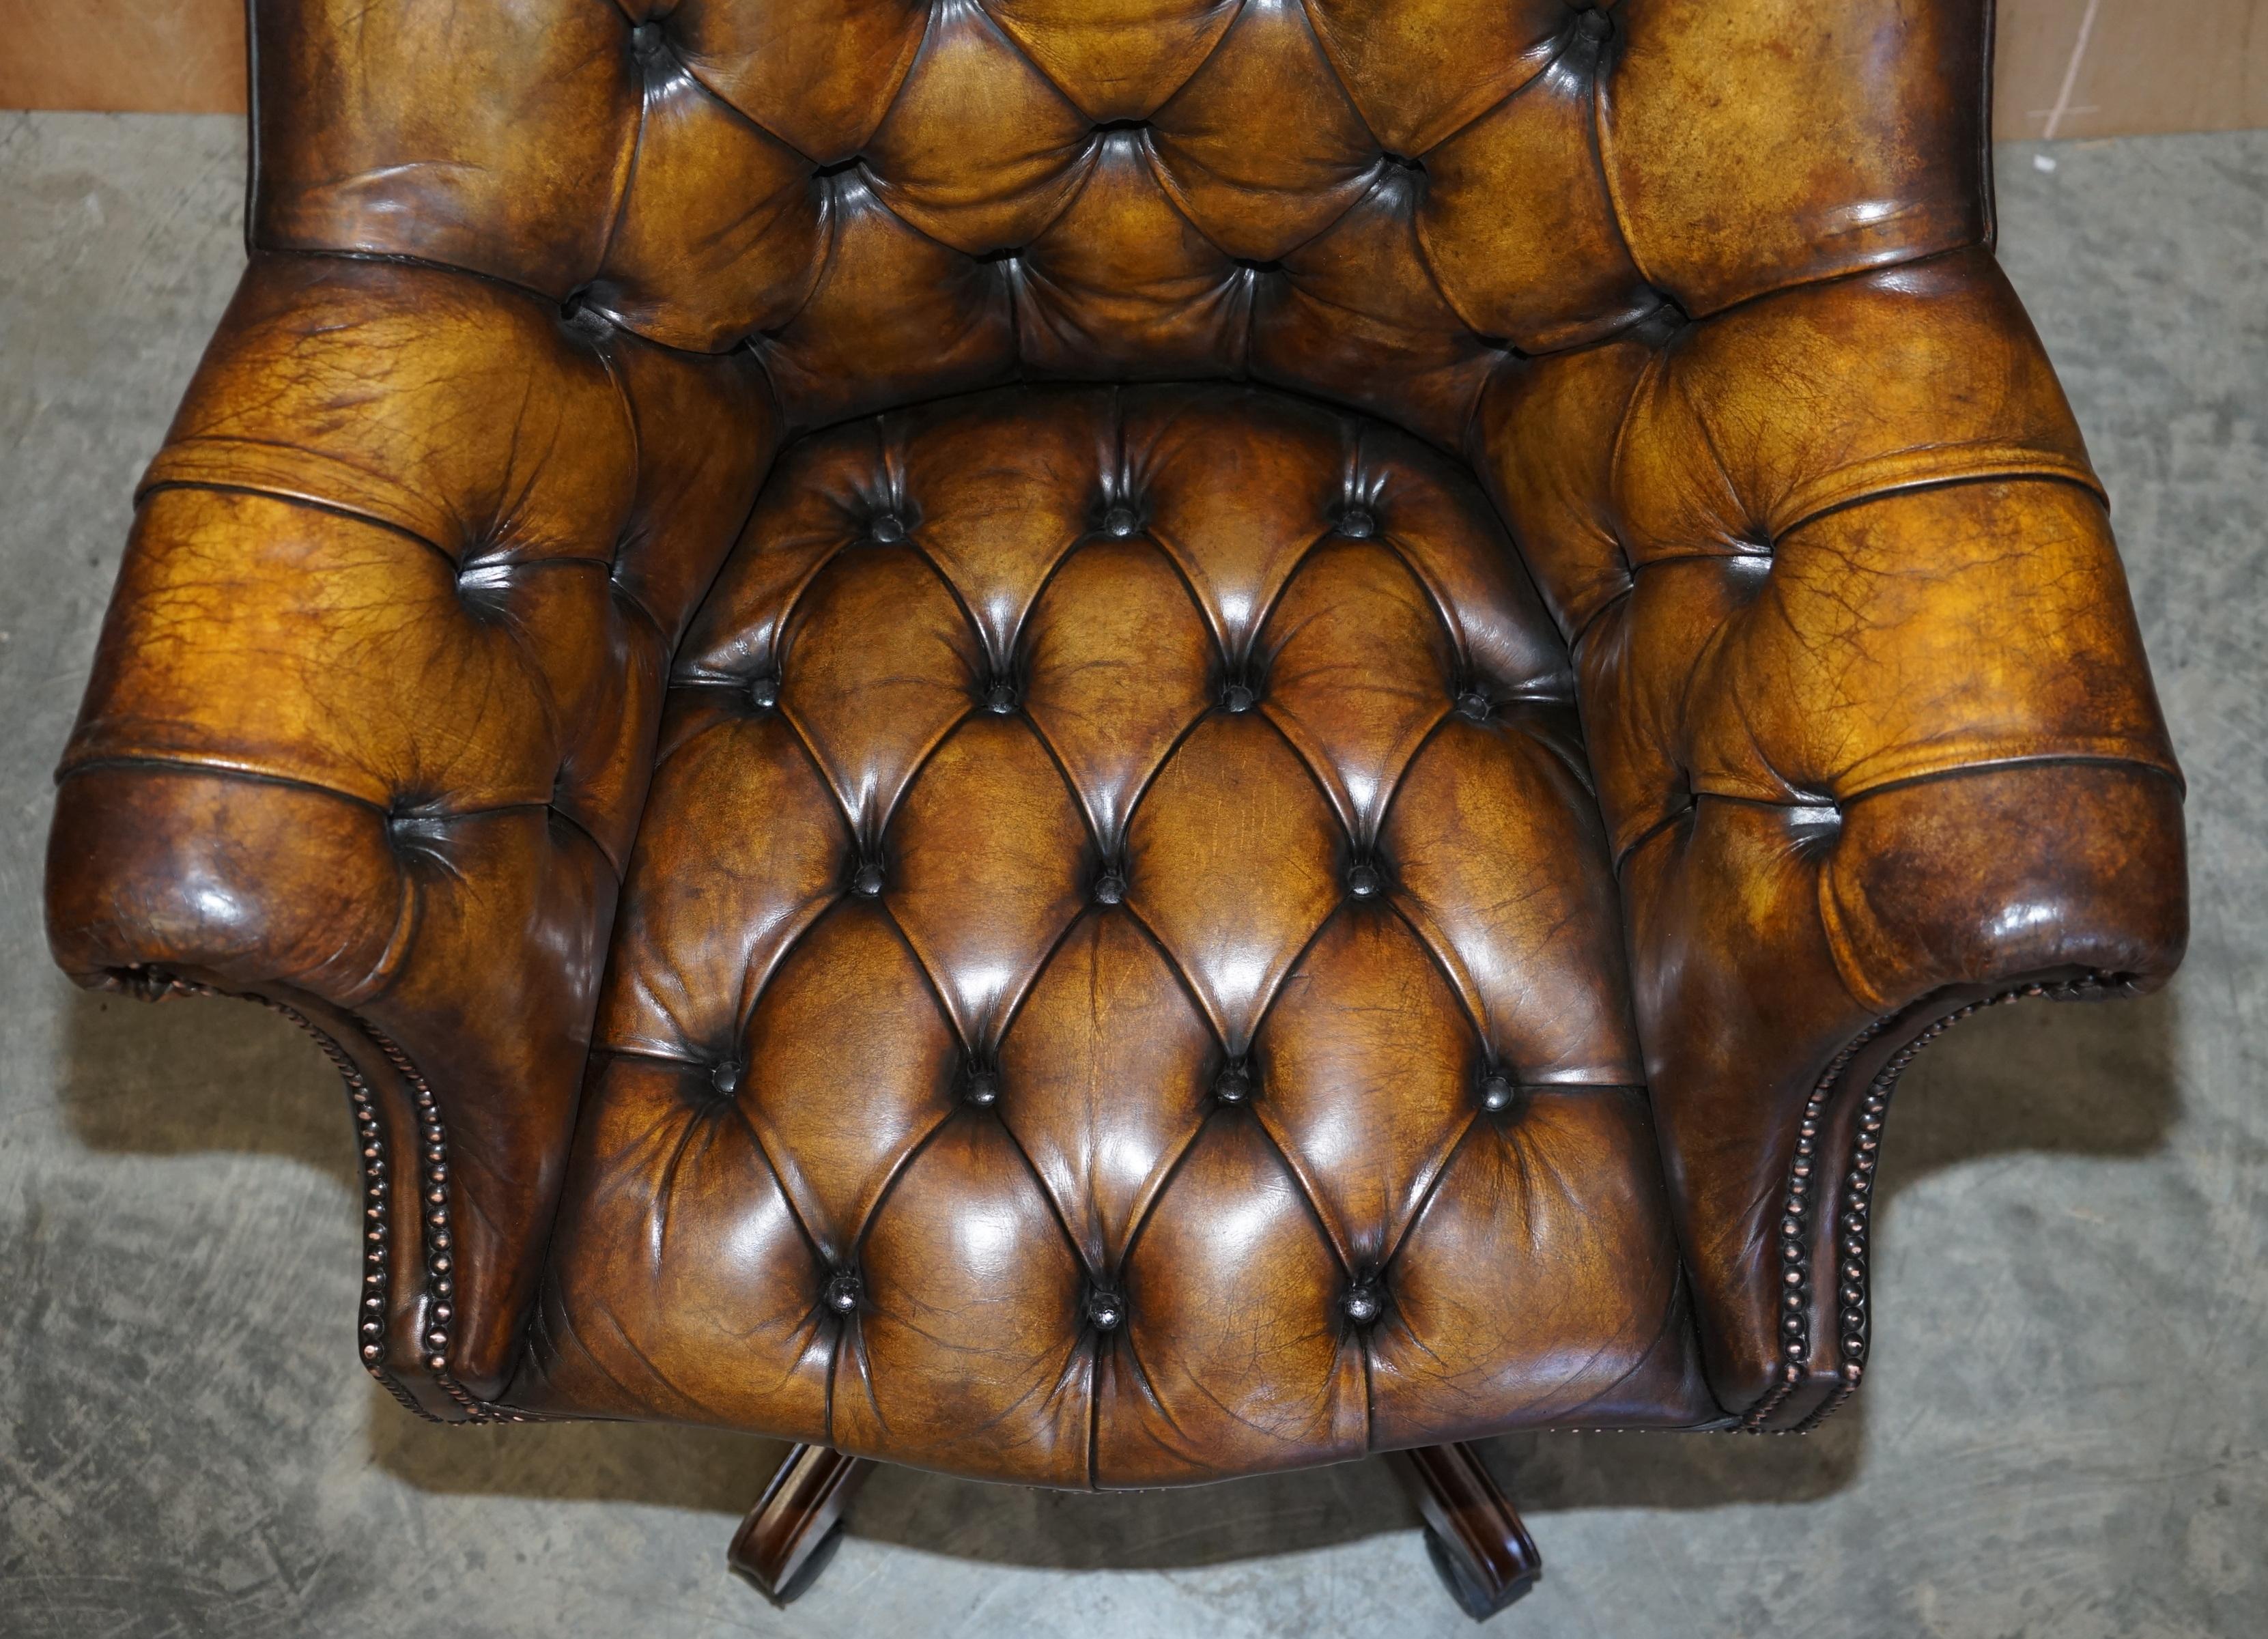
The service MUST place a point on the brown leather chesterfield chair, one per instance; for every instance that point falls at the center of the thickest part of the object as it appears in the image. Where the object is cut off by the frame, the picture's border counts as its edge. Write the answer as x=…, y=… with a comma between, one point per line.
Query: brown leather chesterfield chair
x=1105, y=744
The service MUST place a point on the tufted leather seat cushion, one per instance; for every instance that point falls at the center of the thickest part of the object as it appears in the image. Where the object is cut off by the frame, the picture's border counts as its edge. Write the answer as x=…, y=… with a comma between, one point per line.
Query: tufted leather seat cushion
x=1120, y=981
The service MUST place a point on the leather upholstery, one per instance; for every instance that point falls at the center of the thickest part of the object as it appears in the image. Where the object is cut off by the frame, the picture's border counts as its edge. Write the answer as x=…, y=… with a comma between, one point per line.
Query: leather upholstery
x=1701, y=296
x=1178, y=891
x=1374, y=201
x=374, y=709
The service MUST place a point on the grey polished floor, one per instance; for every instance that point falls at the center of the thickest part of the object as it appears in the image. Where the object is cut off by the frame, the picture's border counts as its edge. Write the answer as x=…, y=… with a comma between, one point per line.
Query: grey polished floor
x=2063, y=1434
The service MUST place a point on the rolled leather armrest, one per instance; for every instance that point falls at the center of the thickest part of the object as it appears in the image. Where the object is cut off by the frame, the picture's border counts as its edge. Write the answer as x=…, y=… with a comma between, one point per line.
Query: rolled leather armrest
x=370, y=726
x=1874, y=734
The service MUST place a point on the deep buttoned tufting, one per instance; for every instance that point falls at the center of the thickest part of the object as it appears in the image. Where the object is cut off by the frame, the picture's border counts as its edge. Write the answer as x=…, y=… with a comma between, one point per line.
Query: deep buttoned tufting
x=889, y=201
x=1413, y=916
x=1256, y=1092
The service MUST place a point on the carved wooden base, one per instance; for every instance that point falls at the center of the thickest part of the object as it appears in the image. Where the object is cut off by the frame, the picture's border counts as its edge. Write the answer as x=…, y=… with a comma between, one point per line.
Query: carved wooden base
x=1477, y=1543
x=791, y=1533
x=1483, y=1552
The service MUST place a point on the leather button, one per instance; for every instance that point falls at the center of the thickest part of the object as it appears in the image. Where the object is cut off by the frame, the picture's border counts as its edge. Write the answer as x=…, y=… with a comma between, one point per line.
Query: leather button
x=1238, y=698
x=1595, y=24
x=1358, y=524
x=1234, y=1084
x=415, y=832
x=1473, y=704
x=886, y=527
x=582, y=314
x=645, y=42
x=1362, y=1304
x=1109, y=888
x=866, y=880
x=980, y=1089
x=1364, y=881
x=1105, y=1313
x=844, y=1290
x=1496, y=1092
x=726, y=1078
x=1000, y=698
x=484, y=585
x=1119, y=521
x=763, y=693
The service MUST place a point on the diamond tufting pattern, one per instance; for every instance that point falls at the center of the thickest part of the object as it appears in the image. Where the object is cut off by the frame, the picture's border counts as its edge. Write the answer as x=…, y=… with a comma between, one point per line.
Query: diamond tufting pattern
x=1379, y=202
x=1390, y=912
x=1089, y=884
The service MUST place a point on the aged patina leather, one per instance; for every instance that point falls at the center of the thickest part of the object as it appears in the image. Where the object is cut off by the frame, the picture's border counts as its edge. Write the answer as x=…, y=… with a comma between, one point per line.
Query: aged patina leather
x=1110, y=744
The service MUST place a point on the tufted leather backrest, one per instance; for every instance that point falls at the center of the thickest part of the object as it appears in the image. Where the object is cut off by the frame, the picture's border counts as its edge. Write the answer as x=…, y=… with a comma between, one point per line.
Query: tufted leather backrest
x=1382, y=202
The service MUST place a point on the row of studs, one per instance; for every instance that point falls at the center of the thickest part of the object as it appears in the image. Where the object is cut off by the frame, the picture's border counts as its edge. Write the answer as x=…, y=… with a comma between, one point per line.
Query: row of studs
x=1857, y=1221
x=370, y=1144
x=1859, y=1186
x=1795, y=1274
x=439, y=1242
x=440, y=1281
x=155, y=985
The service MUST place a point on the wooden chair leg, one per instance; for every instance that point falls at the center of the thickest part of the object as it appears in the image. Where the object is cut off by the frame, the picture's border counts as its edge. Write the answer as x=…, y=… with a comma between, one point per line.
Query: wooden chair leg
x=1476, y=1542
x=791, y=1533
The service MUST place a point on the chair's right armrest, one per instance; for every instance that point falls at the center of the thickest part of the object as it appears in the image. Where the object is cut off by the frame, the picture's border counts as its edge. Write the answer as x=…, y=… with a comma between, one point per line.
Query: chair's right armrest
x=370, y=724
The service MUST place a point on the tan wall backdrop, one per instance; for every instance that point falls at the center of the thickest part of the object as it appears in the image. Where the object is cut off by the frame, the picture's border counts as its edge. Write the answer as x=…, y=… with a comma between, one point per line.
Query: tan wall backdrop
x=172, y=56
x=2066, y=68
x=2119, y=68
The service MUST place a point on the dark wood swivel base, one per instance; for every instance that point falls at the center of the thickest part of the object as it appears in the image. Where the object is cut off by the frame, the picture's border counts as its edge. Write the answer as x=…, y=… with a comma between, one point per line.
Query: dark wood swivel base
x=792, y=1531
x=1483, y=1552
x=1476, y=1539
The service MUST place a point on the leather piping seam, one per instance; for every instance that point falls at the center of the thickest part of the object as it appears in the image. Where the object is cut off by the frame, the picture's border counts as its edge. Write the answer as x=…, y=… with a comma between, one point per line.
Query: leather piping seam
x=1854, y=1334
x=163, y=467
x=2043, y=759
x=159, y=485
x=410, y=260
x=1927, y=776
x=252, y=111
x=196, y=765
x=1988, y=199
x=1992, y=473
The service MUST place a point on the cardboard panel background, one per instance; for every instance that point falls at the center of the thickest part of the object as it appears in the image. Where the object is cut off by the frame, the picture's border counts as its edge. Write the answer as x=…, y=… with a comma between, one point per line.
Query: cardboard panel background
x=2122, y=68
x=2065, y=68
x=159, y=56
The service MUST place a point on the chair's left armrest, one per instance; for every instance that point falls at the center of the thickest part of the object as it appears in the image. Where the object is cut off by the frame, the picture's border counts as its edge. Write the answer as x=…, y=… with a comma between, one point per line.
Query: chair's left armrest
x=1874, y=738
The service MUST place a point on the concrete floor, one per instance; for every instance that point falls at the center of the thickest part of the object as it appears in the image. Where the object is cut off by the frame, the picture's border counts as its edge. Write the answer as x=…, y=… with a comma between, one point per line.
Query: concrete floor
x=2062, y=1433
